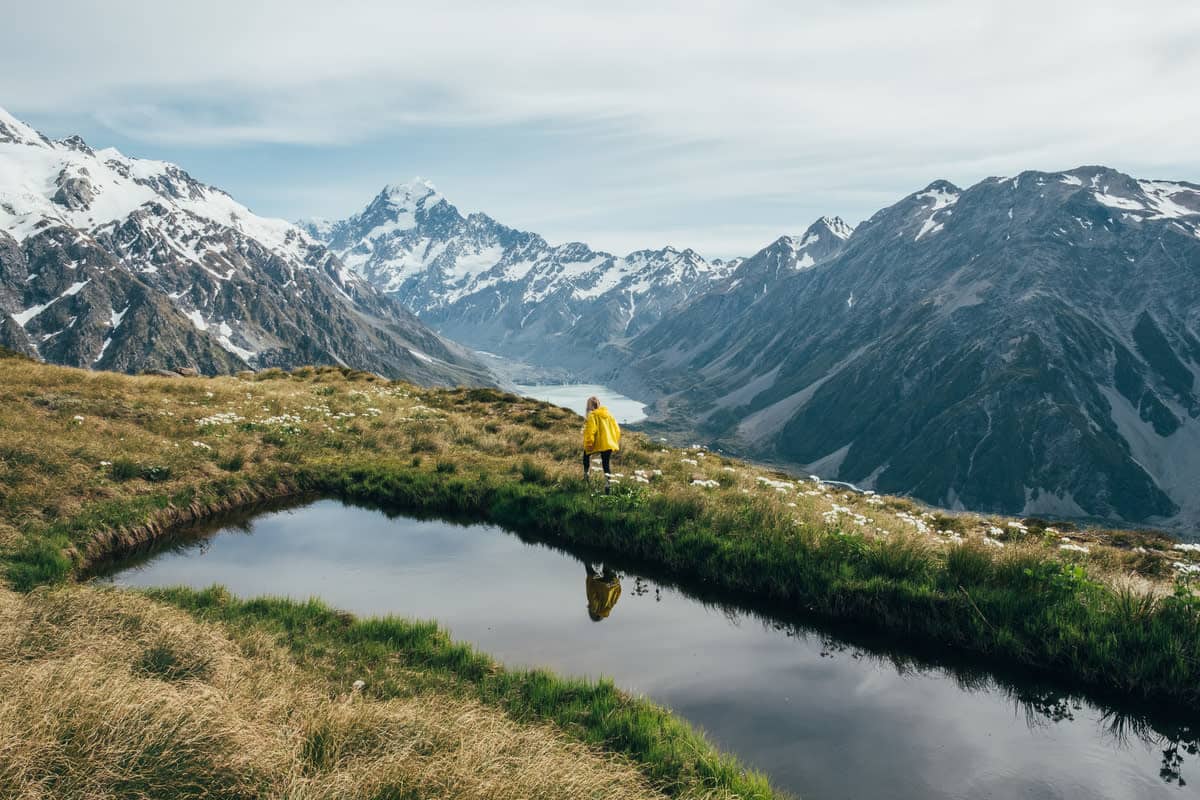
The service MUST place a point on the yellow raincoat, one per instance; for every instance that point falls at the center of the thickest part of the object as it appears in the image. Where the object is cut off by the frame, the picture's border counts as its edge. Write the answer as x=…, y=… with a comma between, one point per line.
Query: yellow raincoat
x=602, y=595
x=601, y=432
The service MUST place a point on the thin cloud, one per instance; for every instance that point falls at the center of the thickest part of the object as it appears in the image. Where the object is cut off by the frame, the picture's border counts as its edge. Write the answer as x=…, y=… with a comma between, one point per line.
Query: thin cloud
x=666, y=102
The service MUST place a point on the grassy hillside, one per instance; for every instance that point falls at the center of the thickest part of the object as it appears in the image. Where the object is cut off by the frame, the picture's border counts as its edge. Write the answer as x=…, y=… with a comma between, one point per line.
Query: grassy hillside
x=92, y=464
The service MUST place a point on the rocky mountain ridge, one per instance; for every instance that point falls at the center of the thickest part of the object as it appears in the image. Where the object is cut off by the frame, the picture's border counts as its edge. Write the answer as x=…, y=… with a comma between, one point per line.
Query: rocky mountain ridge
x=510, y=292
x=1026, y=345
x=113, y=262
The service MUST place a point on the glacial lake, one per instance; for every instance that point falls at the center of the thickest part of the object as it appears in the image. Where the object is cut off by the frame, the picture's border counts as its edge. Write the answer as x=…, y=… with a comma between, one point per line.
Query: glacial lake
x=574, y=396
x=827, y=714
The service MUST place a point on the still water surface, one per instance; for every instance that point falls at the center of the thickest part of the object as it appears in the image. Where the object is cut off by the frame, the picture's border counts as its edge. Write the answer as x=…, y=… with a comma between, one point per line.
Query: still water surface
x=823, y=716
x=574, y=396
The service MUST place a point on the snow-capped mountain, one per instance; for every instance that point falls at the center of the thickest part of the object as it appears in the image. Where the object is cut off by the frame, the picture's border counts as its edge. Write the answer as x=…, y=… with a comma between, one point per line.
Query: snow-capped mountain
x=121, y=263
x=508, y=291
x=1028, y=345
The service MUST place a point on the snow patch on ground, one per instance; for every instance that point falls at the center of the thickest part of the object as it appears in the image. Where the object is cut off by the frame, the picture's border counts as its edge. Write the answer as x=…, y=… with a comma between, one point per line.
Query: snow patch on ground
x=197, y=320
x=941, y=199
x=1123, y=203
x=417, y=354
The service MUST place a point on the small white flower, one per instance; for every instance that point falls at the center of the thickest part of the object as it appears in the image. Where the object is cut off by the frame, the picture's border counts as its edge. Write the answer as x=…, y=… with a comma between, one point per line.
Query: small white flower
x=1195, y=548
x=77, y=419
x=708, y=484
x=1075, y=548
x=201, y=445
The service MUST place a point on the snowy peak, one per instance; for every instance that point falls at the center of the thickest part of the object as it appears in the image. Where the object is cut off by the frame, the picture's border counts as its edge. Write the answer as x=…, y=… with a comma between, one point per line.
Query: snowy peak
x=1114, y=196
x=317, y=227
x=835, y=226
x=68, y=183
x=820, y=241
x=415, y=192
x=1137, y=199
x=939, y=195
x=86, y=235
x=14, y=131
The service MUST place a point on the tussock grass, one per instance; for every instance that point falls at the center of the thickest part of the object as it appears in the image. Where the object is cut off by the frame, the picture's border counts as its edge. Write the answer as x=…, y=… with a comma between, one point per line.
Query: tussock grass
x=1011, y=589
x=106, y=693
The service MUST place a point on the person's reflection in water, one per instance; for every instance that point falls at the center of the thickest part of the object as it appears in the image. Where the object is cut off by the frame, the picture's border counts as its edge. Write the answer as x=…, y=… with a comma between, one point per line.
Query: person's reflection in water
x=603, y=589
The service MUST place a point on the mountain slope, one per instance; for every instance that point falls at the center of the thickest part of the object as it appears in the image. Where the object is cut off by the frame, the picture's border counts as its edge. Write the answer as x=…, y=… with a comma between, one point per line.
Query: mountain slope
x=508, y=291
x=120, y=263
x=1026, y=345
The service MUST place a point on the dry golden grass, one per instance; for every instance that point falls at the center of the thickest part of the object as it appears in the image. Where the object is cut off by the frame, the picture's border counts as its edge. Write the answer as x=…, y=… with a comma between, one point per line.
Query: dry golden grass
x=109, y=694
x=61, y=431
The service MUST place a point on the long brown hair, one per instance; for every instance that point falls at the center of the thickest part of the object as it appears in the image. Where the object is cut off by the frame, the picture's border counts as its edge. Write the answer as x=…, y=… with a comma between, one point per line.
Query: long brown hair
x=593, y=403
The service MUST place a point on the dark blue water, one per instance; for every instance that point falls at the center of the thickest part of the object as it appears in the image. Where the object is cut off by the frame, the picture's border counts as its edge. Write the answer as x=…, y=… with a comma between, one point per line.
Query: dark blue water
x=824, y=716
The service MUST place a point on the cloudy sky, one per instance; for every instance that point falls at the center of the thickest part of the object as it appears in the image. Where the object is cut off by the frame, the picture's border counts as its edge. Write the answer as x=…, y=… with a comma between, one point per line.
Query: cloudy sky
x=711, y=125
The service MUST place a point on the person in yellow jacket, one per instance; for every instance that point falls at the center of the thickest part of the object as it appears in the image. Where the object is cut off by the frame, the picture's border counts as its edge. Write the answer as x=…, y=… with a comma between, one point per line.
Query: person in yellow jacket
x=603, y=589
x=601, y=434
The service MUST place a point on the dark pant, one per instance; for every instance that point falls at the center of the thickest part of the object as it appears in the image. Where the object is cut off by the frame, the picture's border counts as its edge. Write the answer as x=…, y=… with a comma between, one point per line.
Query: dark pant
x=605, y=460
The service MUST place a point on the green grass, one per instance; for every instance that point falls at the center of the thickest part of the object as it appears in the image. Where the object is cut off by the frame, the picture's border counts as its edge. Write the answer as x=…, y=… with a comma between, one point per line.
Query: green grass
x=981, y=585
x=399, y=657
x=1023, y=609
